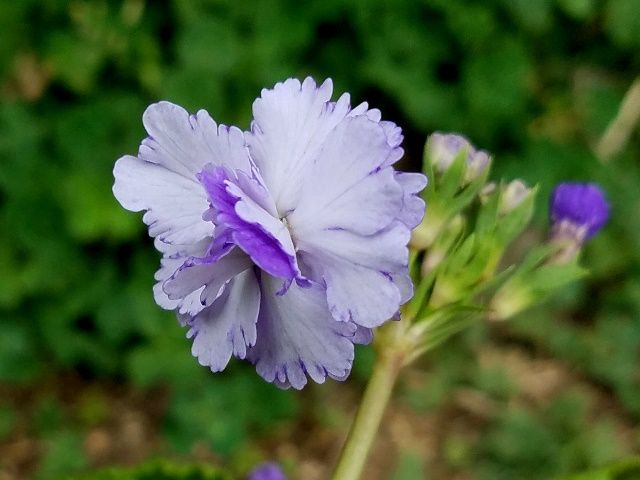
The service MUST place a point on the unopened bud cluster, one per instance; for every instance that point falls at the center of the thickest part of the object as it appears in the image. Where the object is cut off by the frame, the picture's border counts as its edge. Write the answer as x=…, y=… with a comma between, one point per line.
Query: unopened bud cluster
x=458, y=259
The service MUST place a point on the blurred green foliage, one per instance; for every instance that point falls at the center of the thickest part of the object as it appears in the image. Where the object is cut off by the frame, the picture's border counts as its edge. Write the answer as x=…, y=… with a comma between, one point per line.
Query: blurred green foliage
x=534, y=81
x=157, y=470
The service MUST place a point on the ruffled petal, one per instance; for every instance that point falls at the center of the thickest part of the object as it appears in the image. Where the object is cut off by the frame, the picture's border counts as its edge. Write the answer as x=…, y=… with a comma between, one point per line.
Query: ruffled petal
x=228, y=327
x=405, y=286
x=393, y=133
x=361, y=273
x=412, y=205
x=162, y=179
x=346, y=187
x=297, y=337
x=173, y=257
x=185, y=143
x=363, y=336
x=211, y=272
x=292, y=122
x=174, y=204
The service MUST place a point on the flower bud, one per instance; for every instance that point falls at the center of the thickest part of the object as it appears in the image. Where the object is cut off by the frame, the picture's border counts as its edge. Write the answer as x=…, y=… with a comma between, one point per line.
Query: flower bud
x=487, y=191
x=443, y=148
x=514, y=297
x=513, y=195
x=578, y=211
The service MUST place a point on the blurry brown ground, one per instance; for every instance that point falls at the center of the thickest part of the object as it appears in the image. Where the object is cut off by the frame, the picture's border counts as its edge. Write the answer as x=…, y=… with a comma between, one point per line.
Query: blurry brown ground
x=131, y=432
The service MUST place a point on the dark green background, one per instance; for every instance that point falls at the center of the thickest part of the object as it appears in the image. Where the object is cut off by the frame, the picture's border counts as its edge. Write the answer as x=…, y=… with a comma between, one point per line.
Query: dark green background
x=533, y=81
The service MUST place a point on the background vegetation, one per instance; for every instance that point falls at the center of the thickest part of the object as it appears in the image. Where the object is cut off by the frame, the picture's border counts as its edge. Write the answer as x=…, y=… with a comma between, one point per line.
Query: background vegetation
x=93, y=373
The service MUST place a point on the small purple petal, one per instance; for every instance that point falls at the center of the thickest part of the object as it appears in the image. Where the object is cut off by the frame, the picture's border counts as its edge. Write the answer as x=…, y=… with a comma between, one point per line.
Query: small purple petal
x=583, y=205
x=267, y=471
x=263, y=237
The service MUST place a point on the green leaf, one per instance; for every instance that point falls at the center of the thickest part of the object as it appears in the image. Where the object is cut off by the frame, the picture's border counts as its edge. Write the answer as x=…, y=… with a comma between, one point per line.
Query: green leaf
x=578, y=9
x=623, y=22
x=63, y=455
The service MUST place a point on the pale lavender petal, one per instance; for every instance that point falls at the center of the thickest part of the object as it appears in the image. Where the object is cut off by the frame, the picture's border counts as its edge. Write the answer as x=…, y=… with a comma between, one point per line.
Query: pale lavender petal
x=346, y=188
x=190, y=304
x=385, y=251
x=405, y=286
x=393, y=132
x=185, y=143
x=292, y=122
x=360, y=109
x=359, y=272
x=361, y=295
x=228, y=326
x=413, y=206
x=173, y=257
x=174, y=204
x=212, y=272
x=298, y=337
x=362, y=336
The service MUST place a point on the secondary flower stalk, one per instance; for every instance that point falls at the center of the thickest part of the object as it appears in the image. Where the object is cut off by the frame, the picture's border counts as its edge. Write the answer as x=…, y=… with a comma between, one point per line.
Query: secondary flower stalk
x=459, y=274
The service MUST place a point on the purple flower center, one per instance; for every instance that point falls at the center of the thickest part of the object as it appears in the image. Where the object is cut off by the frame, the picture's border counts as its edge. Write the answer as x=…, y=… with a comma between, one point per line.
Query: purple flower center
x=254, y=227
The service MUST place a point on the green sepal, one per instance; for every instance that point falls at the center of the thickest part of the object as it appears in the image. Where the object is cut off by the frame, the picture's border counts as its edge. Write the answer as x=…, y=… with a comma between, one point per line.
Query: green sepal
x=488, y=215
x=548, y=278
x=514, y=222
x=469, y=191
x=442, y=323
x=449, y=183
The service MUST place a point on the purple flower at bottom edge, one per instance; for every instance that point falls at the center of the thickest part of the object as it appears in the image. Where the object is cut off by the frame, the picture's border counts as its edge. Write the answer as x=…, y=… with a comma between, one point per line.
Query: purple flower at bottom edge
x=267, y=471
x=579, y=210
x=284, y=245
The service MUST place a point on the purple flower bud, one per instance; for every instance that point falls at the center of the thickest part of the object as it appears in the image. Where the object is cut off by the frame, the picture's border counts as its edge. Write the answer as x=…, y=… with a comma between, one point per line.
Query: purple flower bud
x=267, y=471
x=578, y=210
x=443, y=148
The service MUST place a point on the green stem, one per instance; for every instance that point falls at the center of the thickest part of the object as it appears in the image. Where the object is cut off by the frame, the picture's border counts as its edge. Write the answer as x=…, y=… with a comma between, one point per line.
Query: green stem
x=621, y=127
x=363, y=431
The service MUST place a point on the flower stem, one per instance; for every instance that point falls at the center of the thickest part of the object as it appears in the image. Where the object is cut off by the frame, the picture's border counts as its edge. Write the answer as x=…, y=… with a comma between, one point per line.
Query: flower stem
x=363, y=431
x=621, y=127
